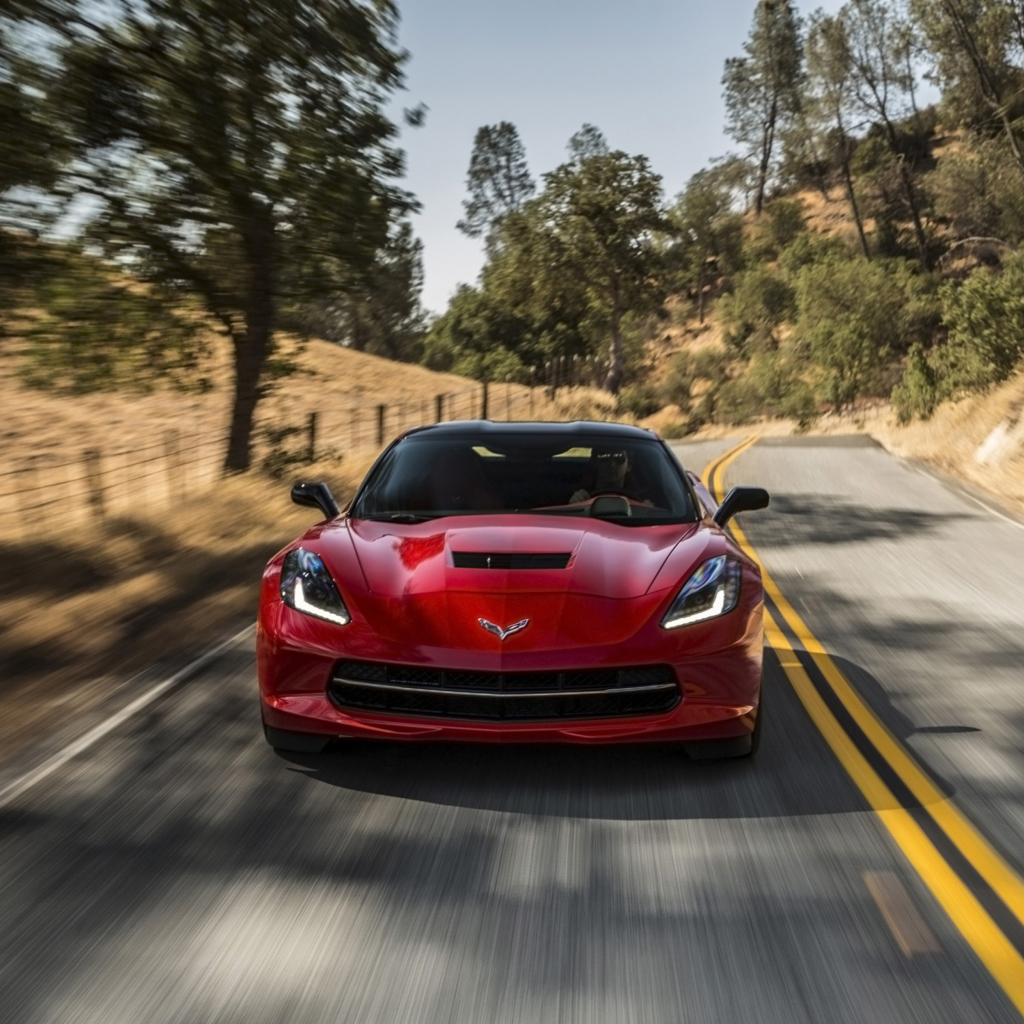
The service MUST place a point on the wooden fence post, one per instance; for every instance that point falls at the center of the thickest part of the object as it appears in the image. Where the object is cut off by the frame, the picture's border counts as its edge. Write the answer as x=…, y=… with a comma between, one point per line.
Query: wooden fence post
x=439, y=412
x=311, y=437
x=483, y=402
x=172, y=457
x=92, y=462
x=380, y=425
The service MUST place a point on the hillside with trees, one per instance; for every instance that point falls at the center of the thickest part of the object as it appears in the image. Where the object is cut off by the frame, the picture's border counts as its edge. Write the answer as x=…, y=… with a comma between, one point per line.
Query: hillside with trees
x=858, y=245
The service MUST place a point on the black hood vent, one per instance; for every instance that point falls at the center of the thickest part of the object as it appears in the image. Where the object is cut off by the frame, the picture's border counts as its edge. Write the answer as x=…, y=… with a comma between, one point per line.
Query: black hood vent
x=482, y=560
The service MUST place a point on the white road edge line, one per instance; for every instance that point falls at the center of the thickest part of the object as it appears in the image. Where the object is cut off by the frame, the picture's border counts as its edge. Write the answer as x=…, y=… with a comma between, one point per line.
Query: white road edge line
x=51, y=764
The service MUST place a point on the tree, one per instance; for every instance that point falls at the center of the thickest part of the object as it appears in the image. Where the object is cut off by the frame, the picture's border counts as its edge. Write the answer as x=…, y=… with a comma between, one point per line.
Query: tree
x=604, y=213
x=498, y=181
x=831, y=97
x=29, y=151
x=978, y=190
x=379, y=311
x=977, y=47
x=587, y=142
x=236, y=151
x=708, y=229
x=853, y=315
x=762, y=89
x=883, y=88
x=478, y=336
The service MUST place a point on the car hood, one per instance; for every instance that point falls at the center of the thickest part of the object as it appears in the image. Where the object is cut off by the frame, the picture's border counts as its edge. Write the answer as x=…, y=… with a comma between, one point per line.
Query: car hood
x=604, y=559
x=414, y=601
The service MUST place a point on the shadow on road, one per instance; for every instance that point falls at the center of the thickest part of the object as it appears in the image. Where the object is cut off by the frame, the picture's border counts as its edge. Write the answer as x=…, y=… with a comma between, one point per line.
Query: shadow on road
x=793, y=774
x=795, y=520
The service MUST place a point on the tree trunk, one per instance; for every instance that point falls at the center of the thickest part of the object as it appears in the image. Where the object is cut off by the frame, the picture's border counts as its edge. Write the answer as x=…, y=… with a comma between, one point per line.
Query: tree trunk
x=855, y=209
x=908, y=191
x=908, y=188
x=700, y=291
x=767, y=144
x=250, y=355
x=252, y=348
x=613, y=381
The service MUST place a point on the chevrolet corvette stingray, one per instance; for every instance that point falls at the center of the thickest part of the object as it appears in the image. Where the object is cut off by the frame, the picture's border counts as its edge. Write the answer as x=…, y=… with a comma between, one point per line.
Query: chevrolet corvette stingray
x=516, y=583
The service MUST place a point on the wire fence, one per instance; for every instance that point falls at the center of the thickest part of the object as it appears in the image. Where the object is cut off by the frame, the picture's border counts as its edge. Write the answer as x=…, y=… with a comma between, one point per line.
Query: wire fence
x=81, y=486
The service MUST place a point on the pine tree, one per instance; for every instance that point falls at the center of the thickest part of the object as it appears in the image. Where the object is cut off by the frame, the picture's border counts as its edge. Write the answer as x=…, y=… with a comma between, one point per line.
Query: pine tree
x=763, y=88
x=498, y=181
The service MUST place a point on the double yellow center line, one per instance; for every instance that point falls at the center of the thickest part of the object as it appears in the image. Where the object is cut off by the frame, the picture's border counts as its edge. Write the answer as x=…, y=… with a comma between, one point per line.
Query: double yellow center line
x=999, y=955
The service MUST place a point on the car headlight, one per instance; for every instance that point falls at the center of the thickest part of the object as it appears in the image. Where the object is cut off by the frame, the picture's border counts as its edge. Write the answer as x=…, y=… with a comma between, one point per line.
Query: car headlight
x=712, y=590
x=306, y=586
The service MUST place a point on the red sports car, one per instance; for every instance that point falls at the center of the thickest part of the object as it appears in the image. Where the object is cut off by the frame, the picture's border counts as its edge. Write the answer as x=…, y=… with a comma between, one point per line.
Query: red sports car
x=516, y=583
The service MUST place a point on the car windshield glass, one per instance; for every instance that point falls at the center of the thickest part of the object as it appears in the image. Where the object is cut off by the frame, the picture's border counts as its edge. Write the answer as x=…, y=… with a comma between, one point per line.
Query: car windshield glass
x=630, y=480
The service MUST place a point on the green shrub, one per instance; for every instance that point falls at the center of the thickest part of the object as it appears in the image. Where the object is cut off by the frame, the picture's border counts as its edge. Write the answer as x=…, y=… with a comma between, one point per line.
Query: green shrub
x=737, y=401
x=810, y=248
x=679, y=379
x=640, y=399
x=978, y=190
x=917, y=393
x=775, y=377
x=710, y=364
x=673, y=431
x=985, y=317
x=760, y=302
x=853, y=314
x=780, y=223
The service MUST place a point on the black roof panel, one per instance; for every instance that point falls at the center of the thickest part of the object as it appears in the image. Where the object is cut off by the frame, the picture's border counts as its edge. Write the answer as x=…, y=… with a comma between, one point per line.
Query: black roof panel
x=577, y=428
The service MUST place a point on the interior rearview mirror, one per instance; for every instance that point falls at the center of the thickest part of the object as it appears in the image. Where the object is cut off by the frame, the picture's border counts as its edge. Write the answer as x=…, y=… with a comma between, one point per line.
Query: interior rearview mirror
x=741, y=499
x=316, y=495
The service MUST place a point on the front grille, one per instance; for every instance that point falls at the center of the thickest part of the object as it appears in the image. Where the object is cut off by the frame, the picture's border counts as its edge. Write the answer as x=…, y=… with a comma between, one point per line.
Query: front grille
x=506, y=696
x=482, y=560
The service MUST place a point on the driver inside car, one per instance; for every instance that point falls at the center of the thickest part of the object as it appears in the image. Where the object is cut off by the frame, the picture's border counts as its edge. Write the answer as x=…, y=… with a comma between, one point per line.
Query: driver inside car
x=606, y=473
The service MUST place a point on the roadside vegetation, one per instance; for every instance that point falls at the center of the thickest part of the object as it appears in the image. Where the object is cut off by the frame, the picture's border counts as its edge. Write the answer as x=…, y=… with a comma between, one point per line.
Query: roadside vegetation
x=160, y=181
x=856, y=247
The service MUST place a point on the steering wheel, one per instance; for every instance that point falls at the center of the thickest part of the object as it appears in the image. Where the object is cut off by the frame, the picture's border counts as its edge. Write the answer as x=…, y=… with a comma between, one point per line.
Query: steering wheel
x=610, y=503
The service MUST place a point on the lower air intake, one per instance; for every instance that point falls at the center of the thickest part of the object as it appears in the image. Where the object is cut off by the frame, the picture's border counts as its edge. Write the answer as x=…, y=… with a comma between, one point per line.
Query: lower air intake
x=504, y=696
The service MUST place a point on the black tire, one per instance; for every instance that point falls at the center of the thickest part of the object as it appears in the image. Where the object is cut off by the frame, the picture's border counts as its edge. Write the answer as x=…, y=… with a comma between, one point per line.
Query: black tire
x=295, y=742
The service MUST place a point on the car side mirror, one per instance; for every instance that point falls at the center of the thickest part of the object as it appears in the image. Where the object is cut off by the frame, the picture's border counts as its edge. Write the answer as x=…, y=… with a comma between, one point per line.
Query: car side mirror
x=316, y=495
x=741, y=499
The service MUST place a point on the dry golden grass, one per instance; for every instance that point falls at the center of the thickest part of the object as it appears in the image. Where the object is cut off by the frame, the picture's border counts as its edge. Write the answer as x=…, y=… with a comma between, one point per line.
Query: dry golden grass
x=80, y=614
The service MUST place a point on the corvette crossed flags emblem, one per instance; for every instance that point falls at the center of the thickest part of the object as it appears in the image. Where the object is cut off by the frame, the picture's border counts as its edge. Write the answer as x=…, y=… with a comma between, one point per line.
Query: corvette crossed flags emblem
x=500, y=633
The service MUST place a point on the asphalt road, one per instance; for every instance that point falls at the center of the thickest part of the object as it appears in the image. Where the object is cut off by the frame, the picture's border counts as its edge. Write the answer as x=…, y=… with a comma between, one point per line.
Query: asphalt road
x=179, y=870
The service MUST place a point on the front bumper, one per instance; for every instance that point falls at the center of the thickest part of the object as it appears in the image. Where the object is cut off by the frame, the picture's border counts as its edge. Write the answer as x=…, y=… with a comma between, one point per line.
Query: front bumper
x=719, y=690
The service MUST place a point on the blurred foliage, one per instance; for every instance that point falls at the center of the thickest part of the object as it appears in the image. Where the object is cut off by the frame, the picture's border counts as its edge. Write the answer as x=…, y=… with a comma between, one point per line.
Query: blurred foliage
x=93, y=333
x=379, y=312
x=916, y=394
x=640, y=399
x=234, y=152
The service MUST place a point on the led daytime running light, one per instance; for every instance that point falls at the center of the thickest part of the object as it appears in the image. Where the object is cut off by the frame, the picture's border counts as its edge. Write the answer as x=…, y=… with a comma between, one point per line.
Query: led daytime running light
x=712, y=590
x=307, y=586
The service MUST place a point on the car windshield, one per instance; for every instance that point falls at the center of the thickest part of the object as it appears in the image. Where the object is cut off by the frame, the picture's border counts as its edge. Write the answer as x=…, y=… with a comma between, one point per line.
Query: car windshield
x=634, y=481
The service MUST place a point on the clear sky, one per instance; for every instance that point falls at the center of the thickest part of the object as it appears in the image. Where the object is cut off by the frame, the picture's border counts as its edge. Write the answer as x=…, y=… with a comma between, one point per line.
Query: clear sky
x=646, y=72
